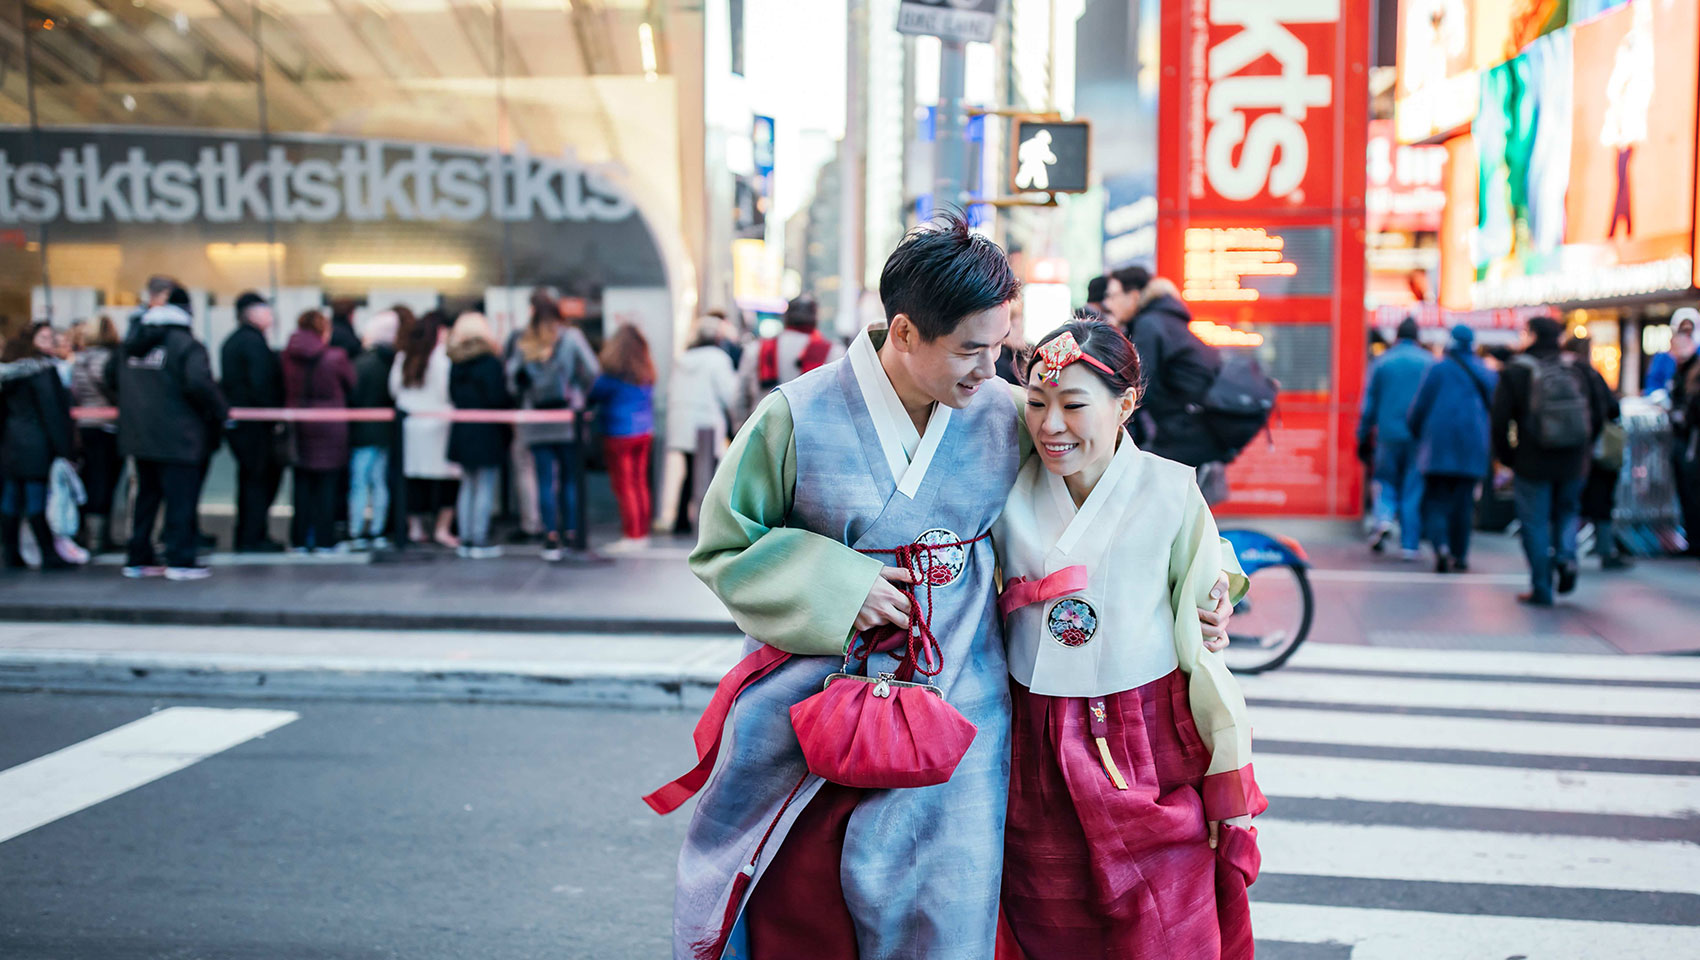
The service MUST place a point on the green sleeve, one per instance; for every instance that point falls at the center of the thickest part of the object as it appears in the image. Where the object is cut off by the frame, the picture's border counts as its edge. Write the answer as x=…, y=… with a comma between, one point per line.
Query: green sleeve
x=789, y=588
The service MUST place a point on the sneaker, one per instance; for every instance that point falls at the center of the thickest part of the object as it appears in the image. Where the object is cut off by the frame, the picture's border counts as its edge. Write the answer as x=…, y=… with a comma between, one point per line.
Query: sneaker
x=1378, y=537
x=1566, y=577
x=359, y=545
x=381, y=543
x=464, y=552
x=1410, y=555
x=1616, y=562
x=485, y=553
x=181, y=574
x=143, y=572
x=1534, y=601
x=337, y=550
x=551, y=552
x=1442, y=563
x=264, y=546
x=626, y=545
x=1460, y=565
x=299, y=551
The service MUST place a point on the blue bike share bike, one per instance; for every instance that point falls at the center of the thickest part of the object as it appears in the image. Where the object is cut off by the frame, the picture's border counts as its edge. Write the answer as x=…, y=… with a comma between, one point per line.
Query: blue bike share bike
x=1274, y=616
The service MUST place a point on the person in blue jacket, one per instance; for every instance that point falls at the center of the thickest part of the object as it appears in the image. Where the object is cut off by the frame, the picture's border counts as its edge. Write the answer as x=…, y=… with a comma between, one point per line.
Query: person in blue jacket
x=1450, y=421
x=1393, y=383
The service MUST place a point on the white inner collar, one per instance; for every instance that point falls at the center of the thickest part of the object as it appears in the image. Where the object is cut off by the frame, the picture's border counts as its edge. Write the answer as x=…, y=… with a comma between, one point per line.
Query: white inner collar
x=908, y=453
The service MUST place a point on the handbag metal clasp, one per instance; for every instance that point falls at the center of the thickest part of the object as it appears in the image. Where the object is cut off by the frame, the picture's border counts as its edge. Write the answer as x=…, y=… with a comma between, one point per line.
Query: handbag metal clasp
x=882, y=689
x=883, y=684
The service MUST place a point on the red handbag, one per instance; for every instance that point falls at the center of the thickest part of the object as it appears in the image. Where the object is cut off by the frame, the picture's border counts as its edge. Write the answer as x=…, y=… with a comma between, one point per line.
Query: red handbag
x=881, y=732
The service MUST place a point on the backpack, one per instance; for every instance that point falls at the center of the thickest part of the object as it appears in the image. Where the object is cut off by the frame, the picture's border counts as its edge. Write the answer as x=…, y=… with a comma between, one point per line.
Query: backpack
x=1238, y=405
x=767, y=360
x=1558, y=403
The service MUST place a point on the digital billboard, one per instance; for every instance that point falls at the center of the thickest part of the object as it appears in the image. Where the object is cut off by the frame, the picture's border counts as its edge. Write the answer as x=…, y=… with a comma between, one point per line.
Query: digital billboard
x=1585, y=149
x=1260, y=221
x=1443, y=46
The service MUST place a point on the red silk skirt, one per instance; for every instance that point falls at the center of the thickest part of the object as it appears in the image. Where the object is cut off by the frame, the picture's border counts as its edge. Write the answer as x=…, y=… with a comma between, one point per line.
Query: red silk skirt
x=1093, y=871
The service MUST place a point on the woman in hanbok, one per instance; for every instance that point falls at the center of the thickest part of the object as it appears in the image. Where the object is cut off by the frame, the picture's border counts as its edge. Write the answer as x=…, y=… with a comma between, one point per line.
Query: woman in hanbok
x=1131, y=777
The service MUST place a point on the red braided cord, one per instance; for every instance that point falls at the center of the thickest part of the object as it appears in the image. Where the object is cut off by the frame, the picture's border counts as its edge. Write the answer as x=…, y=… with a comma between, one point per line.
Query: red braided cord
x=922, y=650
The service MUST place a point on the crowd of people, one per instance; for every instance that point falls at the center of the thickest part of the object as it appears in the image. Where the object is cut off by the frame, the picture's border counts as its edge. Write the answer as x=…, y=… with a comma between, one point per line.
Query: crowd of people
x=172, y=415
x=1432, y=428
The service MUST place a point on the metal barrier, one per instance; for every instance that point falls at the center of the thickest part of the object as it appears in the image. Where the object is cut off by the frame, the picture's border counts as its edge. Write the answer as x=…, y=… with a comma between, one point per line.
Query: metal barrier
x=1646, y=512
x=398, y=478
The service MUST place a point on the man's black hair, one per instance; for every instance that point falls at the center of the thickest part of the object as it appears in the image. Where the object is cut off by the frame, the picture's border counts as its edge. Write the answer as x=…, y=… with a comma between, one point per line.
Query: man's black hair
x=1546, y=330
x=943, y=272
x=178, y=297
x=1133, y=279
x=1096, y=288
x=245, y=301
x=802, y=313
x=1408, y=329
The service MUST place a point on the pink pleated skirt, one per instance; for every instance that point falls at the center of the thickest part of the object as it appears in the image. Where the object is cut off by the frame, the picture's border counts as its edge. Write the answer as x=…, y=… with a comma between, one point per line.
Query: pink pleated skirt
x=1094, y=871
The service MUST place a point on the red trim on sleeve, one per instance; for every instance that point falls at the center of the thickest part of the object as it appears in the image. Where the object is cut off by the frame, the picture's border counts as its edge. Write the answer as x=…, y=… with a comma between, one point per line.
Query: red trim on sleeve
x=1233, y=793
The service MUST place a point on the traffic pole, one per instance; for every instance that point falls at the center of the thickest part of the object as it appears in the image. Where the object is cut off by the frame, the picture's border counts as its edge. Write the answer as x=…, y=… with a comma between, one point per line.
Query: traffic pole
x=950, y=130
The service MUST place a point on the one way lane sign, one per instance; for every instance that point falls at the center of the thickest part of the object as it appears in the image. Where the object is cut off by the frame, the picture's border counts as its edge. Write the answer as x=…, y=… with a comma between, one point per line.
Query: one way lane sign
x=967, y=21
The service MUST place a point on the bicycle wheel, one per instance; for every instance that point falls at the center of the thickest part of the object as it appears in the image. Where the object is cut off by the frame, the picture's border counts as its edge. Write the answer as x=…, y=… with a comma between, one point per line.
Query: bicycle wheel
x=1271, y=621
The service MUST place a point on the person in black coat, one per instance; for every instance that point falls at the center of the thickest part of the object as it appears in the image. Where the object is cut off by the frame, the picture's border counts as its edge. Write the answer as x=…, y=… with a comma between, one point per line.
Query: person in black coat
x=477, y=381
x=253, y=377
x=170, y=413
x=1179, y=369
x=1548, y=479
x=35, y=429
x=1599, y=492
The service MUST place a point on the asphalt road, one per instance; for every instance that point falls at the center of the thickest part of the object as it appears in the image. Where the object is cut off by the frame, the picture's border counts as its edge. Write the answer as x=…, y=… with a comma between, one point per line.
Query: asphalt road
x=1424, y=804
x=424, y=832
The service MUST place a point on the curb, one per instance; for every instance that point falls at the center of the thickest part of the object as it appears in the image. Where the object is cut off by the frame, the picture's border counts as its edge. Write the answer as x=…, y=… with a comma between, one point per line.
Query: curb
x=263, y=677
x=351, y=620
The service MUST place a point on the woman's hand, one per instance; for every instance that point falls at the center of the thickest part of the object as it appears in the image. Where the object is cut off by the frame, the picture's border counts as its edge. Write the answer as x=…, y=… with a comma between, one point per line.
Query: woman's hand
x=1215, y=621
x=885, y=603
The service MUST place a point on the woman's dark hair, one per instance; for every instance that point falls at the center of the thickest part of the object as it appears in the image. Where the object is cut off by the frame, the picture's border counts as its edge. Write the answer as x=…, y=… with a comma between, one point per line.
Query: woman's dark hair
x=313, y=321
x=942, y=272
x=416, y=348
x=22, y=346
x=1105, y=343
x=545, y=308
x=404, y=323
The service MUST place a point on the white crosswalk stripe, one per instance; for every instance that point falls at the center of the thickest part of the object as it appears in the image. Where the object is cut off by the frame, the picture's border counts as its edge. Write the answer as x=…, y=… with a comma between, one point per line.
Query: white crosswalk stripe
x=97, y=769
x=1537, y=824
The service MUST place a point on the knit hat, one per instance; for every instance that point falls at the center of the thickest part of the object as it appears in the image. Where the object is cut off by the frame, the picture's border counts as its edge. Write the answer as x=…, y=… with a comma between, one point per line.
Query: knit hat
x=1408, y=328
x=1463, y=338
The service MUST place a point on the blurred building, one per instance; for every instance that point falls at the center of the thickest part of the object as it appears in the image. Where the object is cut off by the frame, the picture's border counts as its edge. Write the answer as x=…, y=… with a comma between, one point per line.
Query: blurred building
x=426, y=152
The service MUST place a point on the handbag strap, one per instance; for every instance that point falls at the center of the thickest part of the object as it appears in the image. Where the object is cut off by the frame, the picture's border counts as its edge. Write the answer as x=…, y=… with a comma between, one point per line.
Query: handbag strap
x=922, y=654
x=1481, y=390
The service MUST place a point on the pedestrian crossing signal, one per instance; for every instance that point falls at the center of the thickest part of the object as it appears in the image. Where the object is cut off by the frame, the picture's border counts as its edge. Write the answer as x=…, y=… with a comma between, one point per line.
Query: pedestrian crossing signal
x=1050, y=156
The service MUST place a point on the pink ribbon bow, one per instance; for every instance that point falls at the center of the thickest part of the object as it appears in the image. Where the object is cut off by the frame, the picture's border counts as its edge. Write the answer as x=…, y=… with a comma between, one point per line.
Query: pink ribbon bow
x=1020, y=591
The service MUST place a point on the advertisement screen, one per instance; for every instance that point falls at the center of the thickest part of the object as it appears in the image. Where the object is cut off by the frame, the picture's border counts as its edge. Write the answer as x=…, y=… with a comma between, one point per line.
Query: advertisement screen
x=1632, y=166
x=1585, y=149
x=1444, y=44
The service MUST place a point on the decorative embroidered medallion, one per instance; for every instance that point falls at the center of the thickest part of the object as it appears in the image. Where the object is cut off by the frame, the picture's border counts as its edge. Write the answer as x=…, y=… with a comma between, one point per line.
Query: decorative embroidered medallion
x=1072, y=622
x=942, y=566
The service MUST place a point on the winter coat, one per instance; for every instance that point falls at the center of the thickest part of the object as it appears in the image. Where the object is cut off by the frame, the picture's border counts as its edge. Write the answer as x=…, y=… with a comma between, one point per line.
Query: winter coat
x=624, y=409
x=1451, y=417
x=1393, y=383
x=425, y=441
x=372, y=392
x=702, y=393
x=476, y=382
x=344, y=338
x=35, y=419
x=252, y=376
x=1178, y=369
x=572, y=361
x=1511, y=408
x=88, y=377
x=317, y=376
x=169, y=408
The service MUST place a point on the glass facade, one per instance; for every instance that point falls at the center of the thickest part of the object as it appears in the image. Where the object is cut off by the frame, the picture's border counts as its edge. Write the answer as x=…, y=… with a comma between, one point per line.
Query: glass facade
x=409, y=151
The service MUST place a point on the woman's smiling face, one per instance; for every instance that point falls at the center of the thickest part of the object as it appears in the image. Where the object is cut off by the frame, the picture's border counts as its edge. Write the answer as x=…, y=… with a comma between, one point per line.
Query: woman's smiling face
x=1075, y=421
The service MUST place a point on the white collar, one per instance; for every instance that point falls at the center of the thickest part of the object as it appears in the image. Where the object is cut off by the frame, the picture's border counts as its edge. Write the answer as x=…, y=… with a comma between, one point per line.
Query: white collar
x=1079, y=520
x=899, y=440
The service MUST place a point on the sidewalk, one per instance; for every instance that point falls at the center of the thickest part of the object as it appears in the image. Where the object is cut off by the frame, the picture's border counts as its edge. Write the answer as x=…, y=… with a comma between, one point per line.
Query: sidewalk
x=641, y=631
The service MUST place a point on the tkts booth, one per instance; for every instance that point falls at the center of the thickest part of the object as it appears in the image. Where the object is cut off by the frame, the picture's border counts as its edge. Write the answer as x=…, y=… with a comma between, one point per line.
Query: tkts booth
x=1264, y=108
